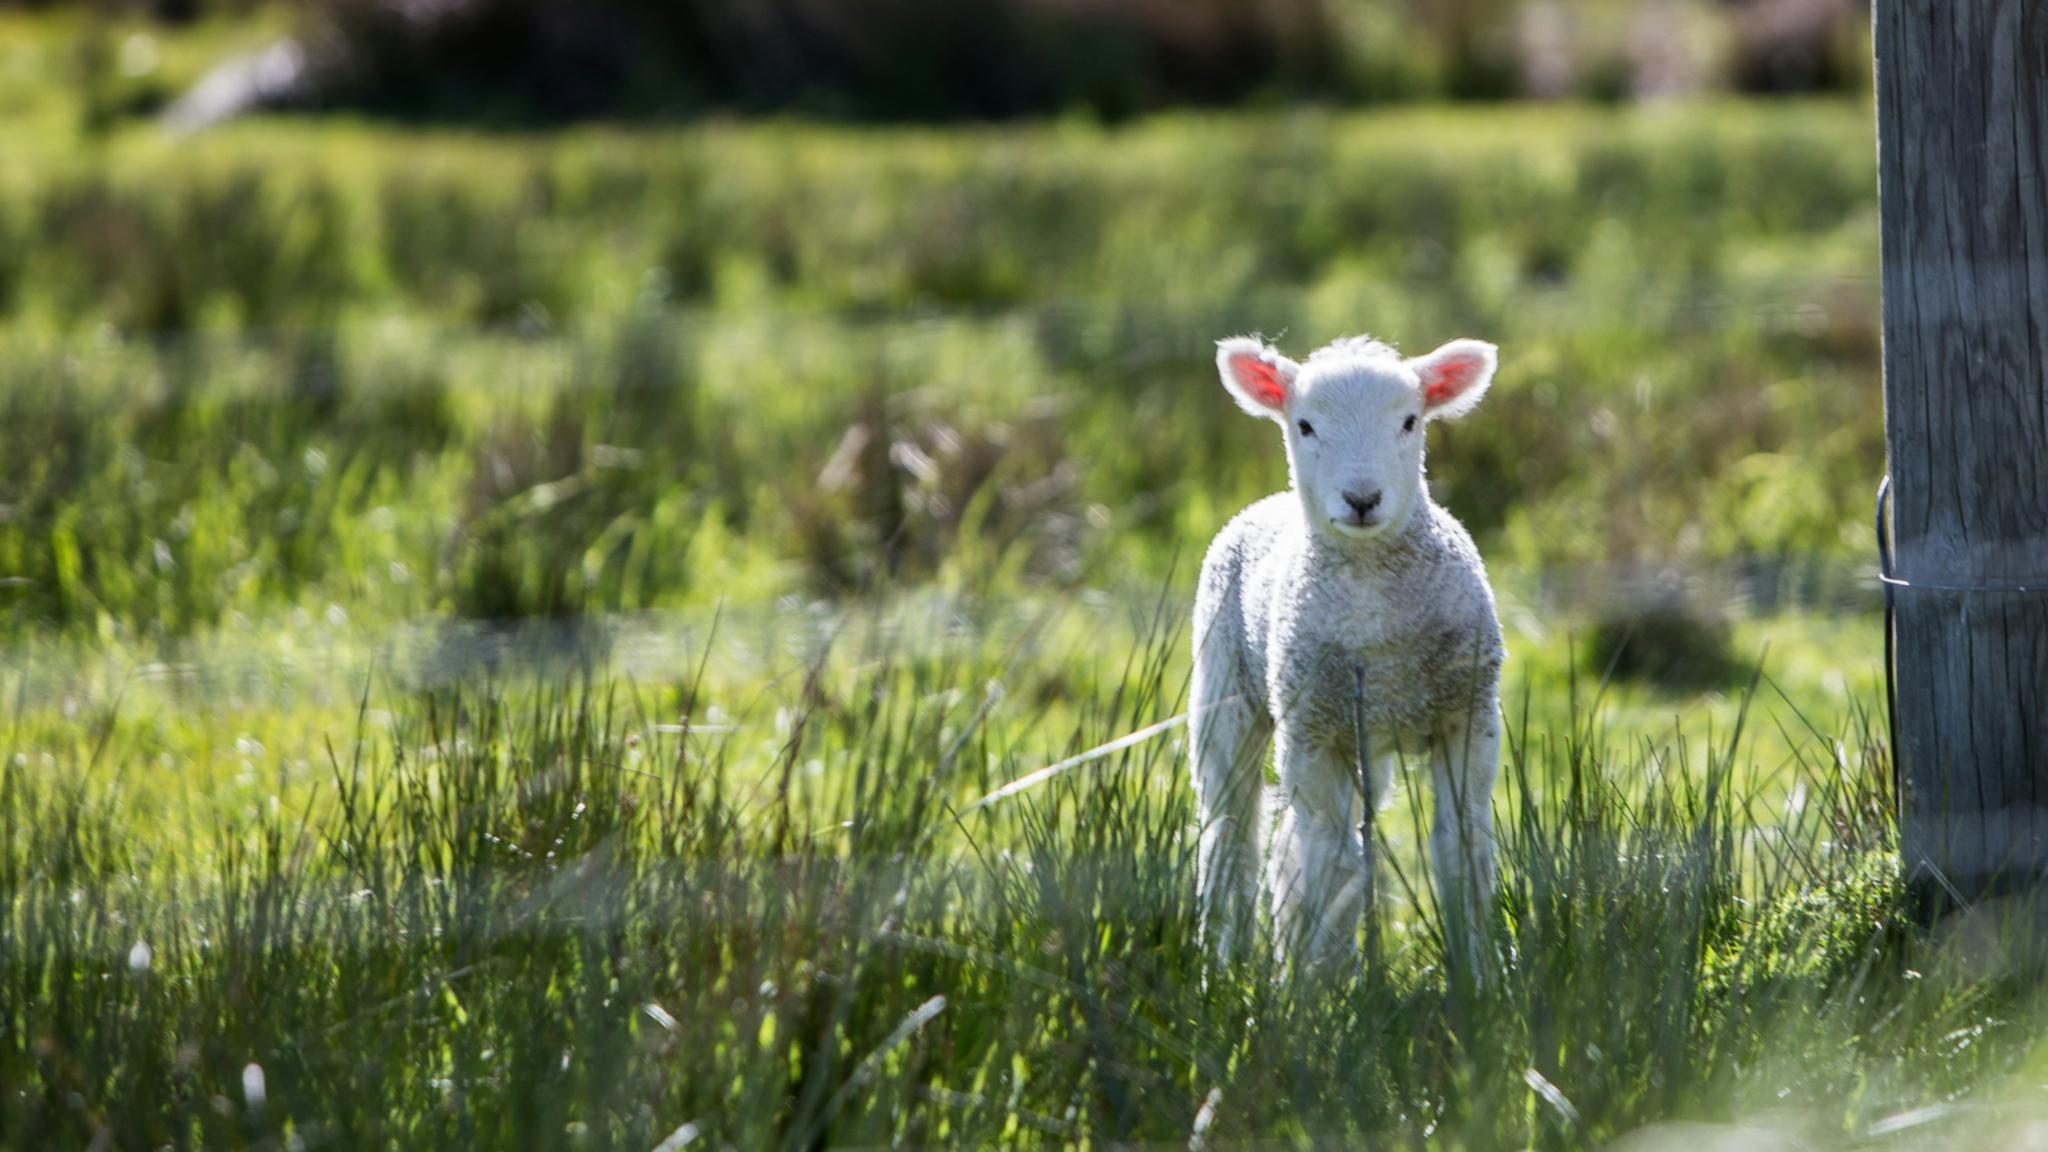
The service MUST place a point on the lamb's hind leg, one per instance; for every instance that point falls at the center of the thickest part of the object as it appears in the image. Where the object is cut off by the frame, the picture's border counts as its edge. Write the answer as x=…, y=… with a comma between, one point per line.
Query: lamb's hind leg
x=1229, y=736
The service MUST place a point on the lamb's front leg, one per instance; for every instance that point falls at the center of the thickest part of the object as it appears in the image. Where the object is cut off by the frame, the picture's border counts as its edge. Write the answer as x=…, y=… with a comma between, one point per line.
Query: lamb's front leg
x=1318, y=880
x=1464, y=758
x=1228, y=756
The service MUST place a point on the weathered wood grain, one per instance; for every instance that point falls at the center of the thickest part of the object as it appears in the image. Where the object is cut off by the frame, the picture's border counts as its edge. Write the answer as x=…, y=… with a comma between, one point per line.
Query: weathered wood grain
x=1963, y=181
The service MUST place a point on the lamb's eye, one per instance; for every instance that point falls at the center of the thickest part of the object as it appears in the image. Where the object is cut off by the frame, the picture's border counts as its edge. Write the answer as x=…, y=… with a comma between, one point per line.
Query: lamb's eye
x=1408, y=425
x=1307, y=429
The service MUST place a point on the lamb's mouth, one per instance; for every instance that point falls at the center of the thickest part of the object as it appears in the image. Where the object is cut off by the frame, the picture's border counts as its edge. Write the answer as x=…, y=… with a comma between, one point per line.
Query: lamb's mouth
x=1358, y=528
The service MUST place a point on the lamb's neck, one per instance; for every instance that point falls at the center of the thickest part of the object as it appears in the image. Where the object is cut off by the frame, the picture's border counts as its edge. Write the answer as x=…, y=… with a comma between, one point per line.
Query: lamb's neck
x=1379, y=558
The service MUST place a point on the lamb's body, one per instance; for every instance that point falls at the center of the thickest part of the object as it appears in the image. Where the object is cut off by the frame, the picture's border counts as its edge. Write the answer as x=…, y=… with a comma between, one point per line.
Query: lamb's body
x=1415, y=615
x=1310, y=637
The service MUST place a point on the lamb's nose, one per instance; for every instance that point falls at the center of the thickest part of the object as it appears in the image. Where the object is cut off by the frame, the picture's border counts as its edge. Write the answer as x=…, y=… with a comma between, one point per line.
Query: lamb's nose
x=1362, y=506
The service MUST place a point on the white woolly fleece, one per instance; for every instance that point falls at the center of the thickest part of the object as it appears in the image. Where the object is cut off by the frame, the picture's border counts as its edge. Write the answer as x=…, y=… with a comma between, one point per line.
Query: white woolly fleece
x=1352, y=601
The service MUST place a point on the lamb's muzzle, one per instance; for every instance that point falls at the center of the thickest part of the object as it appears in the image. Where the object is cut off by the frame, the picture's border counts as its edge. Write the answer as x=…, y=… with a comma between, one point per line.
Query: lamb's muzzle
x=1362, y=508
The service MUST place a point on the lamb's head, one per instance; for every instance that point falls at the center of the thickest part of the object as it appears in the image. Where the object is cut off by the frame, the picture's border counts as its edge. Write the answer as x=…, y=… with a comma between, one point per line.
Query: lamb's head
x=1353, y=416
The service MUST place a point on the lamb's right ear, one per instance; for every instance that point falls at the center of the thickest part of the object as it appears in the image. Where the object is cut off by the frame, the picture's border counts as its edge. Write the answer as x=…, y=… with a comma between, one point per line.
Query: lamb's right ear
x=1257, y=375
x=1454, y=377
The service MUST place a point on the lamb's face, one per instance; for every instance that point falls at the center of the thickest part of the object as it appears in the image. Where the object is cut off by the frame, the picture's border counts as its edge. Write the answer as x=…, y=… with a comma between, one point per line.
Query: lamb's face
x=1354, y=444
x=1354, y=416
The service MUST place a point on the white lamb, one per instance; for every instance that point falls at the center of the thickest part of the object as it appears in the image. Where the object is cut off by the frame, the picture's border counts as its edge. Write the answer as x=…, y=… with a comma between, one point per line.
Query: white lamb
x=1352, y=604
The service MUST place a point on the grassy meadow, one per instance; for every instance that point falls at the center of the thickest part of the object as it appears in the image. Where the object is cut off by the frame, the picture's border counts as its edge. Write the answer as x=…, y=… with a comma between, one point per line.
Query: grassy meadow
x=509, y=636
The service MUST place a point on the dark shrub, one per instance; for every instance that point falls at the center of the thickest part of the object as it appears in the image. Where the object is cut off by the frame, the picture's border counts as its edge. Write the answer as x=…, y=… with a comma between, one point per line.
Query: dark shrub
x=917, y=59
x=1665, y=641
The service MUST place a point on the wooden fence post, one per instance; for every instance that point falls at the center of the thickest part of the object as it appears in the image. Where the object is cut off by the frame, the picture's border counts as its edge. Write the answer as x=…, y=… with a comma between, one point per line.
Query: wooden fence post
x=1962, y=127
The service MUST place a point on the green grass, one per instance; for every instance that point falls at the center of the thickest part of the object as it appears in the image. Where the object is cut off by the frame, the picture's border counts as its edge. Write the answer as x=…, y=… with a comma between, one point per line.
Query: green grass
x=573, y=911
x=514, y=624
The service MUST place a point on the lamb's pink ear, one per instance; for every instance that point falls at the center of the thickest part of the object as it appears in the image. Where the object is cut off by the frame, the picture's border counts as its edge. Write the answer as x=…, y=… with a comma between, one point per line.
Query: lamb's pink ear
x=1455, y=376
x=1257, y=374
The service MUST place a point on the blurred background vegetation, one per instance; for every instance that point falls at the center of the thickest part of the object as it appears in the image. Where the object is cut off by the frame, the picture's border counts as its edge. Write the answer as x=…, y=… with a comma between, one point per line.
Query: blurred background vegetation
x=293, y=362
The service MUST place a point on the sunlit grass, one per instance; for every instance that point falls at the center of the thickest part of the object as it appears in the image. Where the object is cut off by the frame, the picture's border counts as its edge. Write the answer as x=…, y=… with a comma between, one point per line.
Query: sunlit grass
x=569, y=910
x=287, y=686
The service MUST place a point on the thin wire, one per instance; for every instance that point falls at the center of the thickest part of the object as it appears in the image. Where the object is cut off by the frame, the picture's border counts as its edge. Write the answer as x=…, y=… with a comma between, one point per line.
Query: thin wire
x=1891, y=680
x=2030, y=588
x=1034, y=779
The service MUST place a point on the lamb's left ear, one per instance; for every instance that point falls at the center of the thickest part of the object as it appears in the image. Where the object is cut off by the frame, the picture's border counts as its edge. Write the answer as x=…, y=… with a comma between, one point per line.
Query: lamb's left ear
x=1455, y=376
